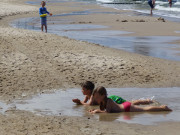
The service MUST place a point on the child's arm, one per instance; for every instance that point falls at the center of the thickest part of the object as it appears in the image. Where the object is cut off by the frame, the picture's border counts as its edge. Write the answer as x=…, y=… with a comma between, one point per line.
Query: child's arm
x=85, y=102
x=91, y=100
x=79, y=102
x=97, y=111
x=40, y=11
x=48, y=13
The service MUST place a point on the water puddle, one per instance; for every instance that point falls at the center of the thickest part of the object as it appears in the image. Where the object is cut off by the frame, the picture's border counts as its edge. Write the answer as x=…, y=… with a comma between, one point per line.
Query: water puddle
x=60, y=103
x=156, y=46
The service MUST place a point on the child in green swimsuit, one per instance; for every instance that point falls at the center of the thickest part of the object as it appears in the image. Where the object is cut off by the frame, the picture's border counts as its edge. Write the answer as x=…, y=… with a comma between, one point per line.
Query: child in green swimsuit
x=87, y=90
x=117, y=99
x=106, y=105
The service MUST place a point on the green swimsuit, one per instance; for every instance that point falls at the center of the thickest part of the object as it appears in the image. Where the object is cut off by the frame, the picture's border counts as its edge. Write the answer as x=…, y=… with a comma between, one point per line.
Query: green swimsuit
x=117, y=99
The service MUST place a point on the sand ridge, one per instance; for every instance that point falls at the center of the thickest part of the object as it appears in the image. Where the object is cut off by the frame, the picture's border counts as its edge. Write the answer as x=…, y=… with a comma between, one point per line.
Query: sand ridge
x=33, y=61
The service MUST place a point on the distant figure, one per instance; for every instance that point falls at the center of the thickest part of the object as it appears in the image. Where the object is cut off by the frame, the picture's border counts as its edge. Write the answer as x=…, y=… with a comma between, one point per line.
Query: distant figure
x=170, y=3
x=151, y=4
x=43, y=13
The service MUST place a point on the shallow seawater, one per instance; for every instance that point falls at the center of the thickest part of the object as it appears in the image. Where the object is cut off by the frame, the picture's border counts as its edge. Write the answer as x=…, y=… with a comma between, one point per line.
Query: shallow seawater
x=60, y=103
x=156, y=46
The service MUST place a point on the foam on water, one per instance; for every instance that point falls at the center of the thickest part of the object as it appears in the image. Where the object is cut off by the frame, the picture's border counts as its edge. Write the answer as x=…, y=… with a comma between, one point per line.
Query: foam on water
x=174, y=9
x=104, y=1
x=162, y=8
x=177, y=3
x=162, y=2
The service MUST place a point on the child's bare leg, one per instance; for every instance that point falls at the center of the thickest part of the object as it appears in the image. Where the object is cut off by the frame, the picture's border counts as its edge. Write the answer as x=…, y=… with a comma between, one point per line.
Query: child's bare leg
x=142, y=102
x=41, y=27
x=151, y=12
x=149, y=108
x=157, y=108
x=46, y=28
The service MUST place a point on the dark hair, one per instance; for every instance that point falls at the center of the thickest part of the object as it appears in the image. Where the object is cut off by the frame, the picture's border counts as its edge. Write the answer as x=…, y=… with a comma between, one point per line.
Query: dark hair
x=88, y=85
x=43, y=2
x=102, y=91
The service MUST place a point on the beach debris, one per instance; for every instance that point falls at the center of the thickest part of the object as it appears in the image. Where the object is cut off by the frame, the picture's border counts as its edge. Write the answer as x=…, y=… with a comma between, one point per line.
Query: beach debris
x=124, y=21
x=10, y=109
x=24, y=95
x=141, y=20
x=161, y=19
x=138, y=20
x=84, y=22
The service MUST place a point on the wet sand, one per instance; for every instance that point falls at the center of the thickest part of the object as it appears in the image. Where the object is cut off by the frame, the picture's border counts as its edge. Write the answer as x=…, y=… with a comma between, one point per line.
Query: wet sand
x=32, y=62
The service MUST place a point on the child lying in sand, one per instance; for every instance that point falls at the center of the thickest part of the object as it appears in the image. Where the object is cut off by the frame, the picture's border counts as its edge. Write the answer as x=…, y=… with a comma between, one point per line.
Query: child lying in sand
x=109, y=106
x=87, y=90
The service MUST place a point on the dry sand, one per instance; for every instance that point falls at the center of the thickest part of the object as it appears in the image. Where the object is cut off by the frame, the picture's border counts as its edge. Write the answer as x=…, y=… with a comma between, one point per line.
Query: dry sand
x=31, y=62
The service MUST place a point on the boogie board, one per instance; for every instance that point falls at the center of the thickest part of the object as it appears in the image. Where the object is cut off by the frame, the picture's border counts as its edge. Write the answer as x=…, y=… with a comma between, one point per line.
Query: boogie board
x=43, y=15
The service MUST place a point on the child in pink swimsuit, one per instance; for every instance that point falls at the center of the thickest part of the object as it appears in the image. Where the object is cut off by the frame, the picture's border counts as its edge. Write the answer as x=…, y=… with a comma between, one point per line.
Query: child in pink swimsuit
x=127, y=106
x=108, y=105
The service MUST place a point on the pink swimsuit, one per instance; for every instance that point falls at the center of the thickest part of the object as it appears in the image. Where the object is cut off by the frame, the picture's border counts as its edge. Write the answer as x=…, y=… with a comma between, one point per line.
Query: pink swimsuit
x=127, y=106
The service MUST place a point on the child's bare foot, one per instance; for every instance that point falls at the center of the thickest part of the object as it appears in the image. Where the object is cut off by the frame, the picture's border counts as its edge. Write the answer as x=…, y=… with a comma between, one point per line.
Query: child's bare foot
x=166, y=108
x=150, y=101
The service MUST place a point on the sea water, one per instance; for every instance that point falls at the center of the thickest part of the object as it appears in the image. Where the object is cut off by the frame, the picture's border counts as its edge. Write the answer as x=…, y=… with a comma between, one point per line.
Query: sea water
x=60, y=103
x=162, y=7
x=156, y=46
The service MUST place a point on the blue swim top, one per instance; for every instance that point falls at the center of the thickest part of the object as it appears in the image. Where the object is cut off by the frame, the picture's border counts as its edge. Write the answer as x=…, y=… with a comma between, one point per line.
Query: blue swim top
x=43, y=10
x=117, y=99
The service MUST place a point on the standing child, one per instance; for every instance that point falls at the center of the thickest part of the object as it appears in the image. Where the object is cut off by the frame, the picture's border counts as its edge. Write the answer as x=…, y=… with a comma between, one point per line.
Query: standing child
x=109, y=106
x=43, y=12
x=170, y=3
x=151, y=4
x=87, y=90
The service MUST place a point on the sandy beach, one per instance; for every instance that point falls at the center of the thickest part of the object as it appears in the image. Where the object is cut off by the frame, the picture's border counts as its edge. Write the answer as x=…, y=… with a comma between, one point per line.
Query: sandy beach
x=31, y=62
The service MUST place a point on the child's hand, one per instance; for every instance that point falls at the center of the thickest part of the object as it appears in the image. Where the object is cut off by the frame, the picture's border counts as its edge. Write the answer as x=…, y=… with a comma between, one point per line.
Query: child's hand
x=93, y=111
x=96, y=111
x=50, y=14
x=76, y=101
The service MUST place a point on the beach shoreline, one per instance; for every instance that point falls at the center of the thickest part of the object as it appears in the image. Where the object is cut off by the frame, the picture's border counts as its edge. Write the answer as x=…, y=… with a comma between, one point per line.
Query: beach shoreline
x=32, y=62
